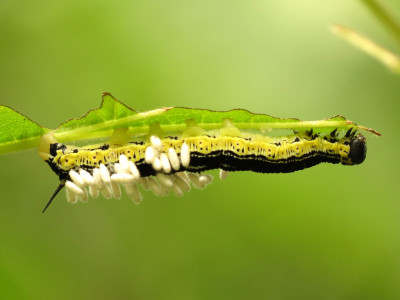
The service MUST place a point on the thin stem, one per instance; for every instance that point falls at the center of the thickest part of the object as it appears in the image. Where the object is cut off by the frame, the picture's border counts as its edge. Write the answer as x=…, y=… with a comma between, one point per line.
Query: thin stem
x=365, y=44
x=387, y=20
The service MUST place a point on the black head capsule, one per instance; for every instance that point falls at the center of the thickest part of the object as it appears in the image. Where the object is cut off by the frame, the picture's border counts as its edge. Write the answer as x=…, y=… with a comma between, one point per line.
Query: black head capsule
x=358, y=149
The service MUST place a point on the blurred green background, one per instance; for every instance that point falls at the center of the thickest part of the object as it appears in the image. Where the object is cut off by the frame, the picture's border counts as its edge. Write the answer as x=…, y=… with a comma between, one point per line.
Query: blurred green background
x=329, y=232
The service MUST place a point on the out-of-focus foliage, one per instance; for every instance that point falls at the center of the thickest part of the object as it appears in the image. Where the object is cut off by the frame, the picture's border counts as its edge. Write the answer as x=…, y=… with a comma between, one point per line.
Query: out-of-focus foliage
x=330, y=232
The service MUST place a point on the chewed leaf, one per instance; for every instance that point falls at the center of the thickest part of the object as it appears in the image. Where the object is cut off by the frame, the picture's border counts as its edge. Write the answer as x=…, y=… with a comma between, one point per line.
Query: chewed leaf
x=112, y=114
x=17, y=132
x=109, y=111
x=101, y=122
x=174, y=120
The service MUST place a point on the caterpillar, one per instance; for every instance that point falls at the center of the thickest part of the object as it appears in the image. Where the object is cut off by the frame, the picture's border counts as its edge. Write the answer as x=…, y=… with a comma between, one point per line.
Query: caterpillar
x=164, y=163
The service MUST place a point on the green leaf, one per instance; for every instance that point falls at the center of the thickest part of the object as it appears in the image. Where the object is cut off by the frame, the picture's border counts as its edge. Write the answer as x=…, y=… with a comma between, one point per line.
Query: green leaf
x=112, y=114
x=175, y=120
x=101, y=122
x=17, y=132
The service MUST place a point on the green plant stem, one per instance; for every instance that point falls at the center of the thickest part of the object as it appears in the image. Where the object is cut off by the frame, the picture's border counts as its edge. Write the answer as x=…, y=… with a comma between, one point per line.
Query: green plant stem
x=387, y=20
x=363, y=43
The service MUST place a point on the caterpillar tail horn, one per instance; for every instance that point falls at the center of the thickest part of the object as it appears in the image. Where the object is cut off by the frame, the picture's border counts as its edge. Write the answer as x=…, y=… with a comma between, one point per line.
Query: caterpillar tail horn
x=58, y=189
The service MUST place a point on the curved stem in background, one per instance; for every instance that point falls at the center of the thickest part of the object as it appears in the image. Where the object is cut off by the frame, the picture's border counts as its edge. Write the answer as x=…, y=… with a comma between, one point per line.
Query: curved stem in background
x=387, y=20
x=363, y=43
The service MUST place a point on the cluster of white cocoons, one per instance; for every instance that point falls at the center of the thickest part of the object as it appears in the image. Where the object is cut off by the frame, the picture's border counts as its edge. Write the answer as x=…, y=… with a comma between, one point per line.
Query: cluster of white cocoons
x=108, y=181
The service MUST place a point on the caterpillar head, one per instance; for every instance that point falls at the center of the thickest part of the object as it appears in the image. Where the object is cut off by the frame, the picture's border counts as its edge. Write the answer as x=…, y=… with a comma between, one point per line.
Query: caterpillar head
x=358, y=149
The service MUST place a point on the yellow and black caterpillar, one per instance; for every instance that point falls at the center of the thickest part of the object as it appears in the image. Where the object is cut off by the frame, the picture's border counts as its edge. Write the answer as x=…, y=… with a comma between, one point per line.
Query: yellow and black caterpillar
x=171, y=163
